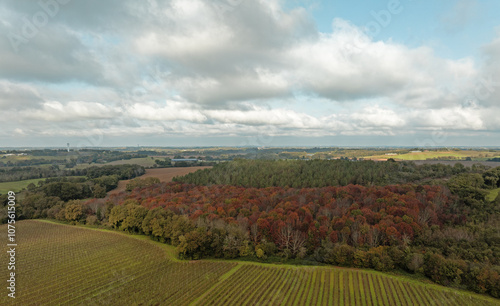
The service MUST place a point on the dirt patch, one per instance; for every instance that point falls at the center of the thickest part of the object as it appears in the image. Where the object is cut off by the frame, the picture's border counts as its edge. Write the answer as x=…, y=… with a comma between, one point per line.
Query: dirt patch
x=164, y=174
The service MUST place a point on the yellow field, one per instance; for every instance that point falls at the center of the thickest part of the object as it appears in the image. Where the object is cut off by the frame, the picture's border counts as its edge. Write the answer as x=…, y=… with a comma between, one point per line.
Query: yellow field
x=427, y=155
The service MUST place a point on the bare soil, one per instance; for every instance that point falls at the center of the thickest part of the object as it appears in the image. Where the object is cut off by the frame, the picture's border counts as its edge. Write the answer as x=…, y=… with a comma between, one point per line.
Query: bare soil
x=164, y=174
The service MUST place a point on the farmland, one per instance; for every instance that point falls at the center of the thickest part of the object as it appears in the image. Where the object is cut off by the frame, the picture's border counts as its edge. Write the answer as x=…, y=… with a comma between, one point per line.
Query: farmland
x=443, y=155
x=60, y=264
x=16, y=186
x=255, y=284
x=164, y=174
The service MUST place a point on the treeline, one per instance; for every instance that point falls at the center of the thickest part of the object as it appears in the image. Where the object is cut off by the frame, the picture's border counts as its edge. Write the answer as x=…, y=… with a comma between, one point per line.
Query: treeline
x=124, y=172
x=104, y=156
x=38, y=200
x=472, y=189
x=421, y=229
x=318, y=173
x=28, y=173
x=71, y=159
x=30, y=162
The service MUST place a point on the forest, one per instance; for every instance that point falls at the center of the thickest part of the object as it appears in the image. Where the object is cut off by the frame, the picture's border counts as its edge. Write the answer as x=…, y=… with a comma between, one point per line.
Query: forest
x=419, y=229
x=26, y=173
x=320, y=173
x=431, y=220
x=52, y=192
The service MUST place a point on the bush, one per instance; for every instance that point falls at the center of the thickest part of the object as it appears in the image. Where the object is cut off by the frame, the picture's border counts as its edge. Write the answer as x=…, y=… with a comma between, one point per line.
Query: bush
x=415, y=262
x=92, y=220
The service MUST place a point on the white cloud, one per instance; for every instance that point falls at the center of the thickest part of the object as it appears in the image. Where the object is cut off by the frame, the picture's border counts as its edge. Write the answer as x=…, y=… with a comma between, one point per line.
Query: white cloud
x=74, y=110
x=173, y=110
x=374, y=116
x=180, y=68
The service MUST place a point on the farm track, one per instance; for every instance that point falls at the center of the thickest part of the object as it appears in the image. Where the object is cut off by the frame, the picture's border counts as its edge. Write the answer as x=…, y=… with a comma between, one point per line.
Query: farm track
x=69, y=265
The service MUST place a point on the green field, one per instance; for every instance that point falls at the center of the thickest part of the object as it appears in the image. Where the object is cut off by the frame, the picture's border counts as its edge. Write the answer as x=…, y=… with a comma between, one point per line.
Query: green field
x=492, y=195
x=61, y=264
x=15, y=158
x=146, y=162
x=16, y=186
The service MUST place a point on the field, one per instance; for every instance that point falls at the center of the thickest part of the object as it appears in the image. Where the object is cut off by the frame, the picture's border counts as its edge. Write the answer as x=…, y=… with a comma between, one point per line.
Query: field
x=164, y=174
x=425, y=155
x=493, y=195
x=143, y=161
x=19, y=185
x=61, y=264
x=462, y=154
x=452, y=163
x=16, y=186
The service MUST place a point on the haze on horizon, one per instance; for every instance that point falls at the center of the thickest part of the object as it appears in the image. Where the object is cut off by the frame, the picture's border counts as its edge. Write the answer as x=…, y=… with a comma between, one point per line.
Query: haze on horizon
x=249, y=73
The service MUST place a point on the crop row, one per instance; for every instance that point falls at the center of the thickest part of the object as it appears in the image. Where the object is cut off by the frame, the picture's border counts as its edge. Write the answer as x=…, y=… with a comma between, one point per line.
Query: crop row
x=66, y=265
x=260, y=285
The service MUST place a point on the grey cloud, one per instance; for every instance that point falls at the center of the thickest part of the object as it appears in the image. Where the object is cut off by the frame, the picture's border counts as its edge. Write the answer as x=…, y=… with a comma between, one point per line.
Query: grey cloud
x=53, y=55
x=107, y=68
x=18, y=96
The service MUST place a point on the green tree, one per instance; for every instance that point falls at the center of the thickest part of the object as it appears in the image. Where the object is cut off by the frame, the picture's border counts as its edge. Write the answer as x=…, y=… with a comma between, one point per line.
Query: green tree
x=99, y=191
x=74, y=211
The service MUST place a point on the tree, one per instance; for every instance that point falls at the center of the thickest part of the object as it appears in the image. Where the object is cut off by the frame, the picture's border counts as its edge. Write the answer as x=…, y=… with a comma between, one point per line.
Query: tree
x=99, y=191
x=74, y=211
x=415, y=262
x=236, y=242
x=195, y=244
x=134, y=217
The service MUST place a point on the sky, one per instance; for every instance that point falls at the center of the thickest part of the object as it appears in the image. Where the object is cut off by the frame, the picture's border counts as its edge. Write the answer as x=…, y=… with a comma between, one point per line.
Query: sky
x=416, y=73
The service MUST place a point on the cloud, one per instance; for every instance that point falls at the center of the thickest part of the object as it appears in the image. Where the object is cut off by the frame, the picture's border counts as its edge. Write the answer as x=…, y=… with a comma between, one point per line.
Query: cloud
x=74, y=110
x=184, y=68
x=173, y=110
x=374, y=116
x=487, y=86
x=18, y=96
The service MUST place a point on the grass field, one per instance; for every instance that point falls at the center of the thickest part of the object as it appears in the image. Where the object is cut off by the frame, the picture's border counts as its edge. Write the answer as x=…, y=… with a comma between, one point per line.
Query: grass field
x=493, y=194
x=425, y=155
x=69, y=265
x=143, y=161
x=19, y=185
x=164, y=174
x=454, y=154
x=16, y=186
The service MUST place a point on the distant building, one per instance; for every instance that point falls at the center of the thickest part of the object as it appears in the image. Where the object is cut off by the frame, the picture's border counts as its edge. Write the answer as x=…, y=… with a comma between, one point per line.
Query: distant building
x=415, y=151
